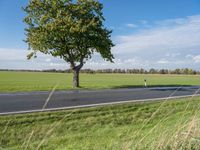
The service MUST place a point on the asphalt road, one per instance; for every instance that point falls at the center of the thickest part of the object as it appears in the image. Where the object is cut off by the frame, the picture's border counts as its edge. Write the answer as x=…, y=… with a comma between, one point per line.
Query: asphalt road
x=36, y=101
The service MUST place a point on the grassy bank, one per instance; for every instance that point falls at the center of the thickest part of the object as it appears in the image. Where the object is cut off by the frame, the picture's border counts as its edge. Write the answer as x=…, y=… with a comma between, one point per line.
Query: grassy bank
x=155, y=125
x=29, y=81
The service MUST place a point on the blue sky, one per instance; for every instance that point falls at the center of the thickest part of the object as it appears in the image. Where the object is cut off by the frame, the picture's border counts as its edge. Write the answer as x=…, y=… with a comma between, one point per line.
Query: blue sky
x=147, y=33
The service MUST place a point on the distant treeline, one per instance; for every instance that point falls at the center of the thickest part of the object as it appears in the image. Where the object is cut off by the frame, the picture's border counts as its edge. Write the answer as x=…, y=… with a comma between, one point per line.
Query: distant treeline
x=186, y=71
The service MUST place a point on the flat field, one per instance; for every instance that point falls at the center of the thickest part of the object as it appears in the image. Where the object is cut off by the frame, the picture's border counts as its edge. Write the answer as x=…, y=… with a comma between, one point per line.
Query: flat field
x=34, y=81
x=151, y=125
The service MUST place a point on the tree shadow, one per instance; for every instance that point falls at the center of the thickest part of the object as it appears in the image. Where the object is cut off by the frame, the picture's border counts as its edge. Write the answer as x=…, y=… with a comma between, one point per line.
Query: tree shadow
x=150, y=86
x=167, y=87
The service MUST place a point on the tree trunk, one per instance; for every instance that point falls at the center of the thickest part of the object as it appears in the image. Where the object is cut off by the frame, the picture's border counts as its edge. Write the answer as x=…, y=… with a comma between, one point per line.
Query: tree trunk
x=76, y=78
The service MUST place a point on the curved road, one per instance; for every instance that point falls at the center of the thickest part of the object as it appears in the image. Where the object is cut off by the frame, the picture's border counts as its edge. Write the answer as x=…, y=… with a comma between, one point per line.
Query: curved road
x=43, y=101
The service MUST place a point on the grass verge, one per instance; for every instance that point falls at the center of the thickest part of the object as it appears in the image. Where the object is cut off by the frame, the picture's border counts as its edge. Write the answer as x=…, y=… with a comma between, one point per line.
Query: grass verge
x=150, y=125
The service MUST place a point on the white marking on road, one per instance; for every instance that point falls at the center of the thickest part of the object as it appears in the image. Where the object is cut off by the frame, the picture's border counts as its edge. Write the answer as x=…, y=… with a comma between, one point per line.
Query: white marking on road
x=50, y=95
x=99, y=104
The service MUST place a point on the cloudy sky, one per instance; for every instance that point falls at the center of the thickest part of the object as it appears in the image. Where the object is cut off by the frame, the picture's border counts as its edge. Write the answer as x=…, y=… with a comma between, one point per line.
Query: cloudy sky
x=147, y=34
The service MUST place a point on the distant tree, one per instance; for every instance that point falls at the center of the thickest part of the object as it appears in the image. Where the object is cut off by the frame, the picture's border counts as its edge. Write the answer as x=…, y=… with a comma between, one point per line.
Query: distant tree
x=194, y=72
x=152, y=71
x=142, y=71
x=163, y=71
x=177, y=71
x=71, y=30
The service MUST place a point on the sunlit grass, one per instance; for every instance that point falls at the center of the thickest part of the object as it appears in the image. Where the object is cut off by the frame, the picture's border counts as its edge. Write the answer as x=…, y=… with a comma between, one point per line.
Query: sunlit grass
x=151, y=125
x=29, y=81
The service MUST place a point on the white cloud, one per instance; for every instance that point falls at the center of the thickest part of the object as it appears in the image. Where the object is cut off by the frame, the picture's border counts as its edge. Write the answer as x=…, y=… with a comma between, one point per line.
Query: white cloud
x=173, y=55
x=132, y=61
x=172, y=43
x=172, y=39
x=48, y=59
x=177, y=21
x=131, y=25
x=189, y=56
x=144, y=22
x=163, y=61
x=12, y=54
x=194, y=58
x=57, y=64
x=185, y=35
x=17, y=59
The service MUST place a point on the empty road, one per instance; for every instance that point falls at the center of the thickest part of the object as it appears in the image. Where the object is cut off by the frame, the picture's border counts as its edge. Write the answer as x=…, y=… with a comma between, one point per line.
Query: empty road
x=36, y=101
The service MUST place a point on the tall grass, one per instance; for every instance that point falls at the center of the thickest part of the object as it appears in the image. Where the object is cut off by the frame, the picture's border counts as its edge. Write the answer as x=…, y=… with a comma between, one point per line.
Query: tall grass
x=148, y=125
x=160, y=125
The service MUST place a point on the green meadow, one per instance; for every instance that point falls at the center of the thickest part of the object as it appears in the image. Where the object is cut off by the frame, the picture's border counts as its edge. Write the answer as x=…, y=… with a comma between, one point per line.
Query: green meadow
x=162, y=125
x=37, y=81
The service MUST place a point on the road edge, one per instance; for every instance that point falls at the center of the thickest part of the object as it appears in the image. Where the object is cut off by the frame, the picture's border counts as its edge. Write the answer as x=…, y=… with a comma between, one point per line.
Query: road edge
x=96, y=105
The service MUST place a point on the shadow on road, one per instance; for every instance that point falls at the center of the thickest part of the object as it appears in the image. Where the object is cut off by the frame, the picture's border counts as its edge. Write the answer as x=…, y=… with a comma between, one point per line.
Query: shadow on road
x=150, y=86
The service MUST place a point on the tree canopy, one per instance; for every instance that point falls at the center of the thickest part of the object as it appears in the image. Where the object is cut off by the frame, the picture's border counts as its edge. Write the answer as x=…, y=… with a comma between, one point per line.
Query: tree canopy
x=71, y=30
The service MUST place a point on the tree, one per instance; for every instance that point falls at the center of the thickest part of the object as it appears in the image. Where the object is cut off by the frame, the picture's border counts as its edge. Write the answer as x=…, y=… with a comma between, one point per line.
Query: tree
x=71, y=30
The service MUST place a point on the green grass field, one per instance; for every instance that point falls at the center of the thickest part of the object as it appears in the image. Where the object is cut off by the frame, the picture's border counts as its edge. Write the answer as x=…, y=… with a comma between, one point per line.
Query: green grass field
x=156, y=125
x=28, y=81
